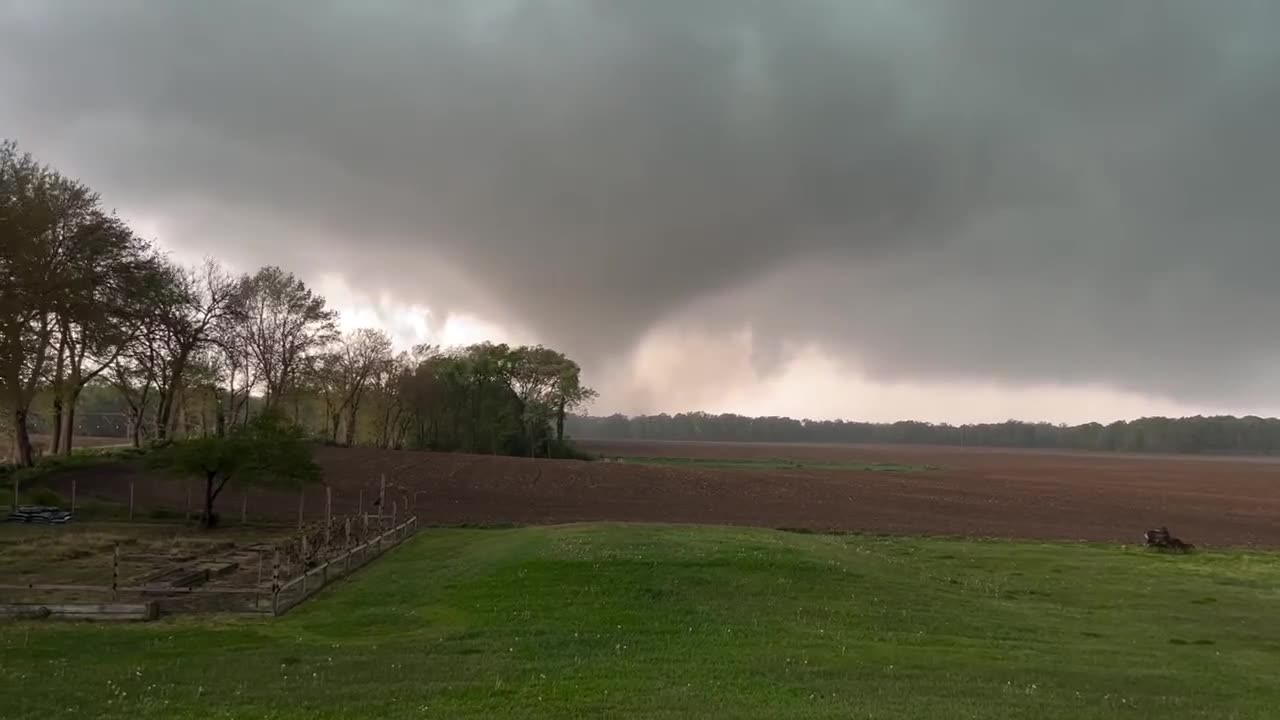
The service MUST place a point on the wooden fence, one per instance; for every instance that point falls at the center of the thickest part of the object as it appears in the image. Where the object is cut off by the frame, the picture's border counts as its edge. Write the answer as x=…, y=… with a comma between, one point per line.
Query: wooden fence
x=277, y=598
x=287, y=594
x=123, y=499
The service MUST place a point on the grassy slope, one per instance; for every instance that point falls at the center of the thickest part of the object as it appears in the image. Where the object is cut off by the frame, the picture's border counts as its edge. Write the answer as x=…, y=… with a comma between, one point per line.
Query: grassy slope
x=662, y=622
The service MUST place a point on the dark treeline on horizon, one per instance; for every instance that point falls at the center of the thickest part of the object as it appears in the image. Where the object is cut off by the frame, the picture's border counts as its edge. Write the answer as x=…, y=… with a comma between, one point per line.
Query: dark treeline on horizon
x=1209, y=435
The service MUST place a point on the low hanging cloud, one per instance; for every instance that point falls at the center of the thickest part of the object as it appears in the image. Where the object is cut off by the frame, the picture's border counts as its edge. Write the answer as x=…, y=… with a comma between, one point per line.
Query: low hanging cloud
x=1003, y=191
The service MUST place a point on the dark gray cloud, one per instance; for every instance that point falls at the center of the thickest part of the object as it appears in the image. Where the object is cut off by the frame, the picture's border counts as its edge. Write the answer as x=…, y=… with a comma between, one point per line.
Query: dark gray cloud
x=1078, y=192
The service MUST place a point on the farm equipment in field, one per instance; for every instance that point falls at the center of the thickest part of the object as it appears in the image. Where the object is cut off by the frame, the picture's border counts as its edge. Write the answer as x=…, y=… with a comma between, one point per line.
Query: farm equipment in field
x=1161, y=539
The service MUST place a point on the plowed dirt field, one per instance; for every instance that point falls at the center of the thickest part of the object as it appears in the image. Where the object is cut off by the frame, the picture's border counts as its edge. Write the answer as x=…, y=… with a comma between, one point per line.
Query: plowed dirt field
x=970, y=492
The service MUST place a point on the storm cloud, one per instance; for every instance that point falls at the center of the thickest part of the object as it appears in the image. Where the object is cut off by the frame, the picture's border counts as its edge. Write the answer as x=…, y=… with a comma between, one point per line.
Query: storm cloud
x=1012, y=191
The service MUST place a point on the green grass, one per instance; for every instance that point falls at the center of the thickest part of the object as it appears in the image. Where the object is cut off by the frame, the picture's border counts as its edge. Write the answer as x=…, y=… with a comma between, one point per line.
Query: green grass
x=615, y=621
x=768, y=464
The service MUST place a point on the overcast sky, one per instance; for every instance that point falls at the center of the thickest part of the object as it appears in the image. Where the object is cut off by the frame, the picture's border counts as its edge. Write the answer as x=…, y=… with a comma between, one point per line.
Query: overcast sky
x=943, y=210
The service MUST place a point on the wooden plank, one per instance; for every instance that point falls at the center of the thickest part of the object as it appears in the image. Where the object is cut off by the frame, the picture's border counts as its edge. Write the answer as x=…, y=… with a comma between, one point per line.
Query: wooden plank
x=48, y=586
x=82, y=611
x=80, y=607
x=193, y=590
x=138, y=588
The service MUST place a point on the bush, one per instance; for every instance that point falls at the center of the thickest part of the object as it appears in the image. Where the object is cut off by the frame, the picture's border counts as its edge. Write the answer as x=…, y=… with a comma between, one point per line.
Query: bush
x=566, y=450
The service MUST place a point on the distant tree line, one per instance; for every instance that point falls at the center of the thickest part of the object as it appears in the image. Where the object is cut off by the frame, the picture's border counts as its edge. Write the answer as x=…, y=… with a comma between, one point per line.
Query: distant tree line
x=1222, y=435
x=94, y=319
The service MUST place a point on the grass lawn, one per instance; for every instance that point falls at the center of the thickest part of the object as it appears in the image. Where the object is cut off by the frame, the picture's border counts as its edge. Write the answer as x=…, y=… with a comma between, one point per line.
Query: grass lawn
x=683, y=622
x=769, y=464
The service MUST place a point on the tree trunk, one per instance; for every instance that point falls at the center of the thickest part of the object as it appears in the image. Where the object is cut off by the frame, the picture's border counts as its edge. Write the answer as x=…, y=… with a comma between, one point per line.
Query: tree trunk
x=169, y=395
x=206, y=517
x=69, y=416
x=55, y=432
x=55, y=440
x=560, y=422
x=219, y=414
x=21, y=439
x=135, y=428
x=211, y=491
x=351, y=426
x=164, y=411
x=179, y=415
x=204, y=415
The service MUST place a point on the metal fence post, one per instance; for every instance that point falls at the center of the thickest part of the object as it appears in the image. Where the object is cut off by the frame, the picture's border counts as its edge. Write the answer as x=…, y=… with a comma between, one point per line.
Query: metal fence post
x=275, y=584
x=115, y=572
x=328, y=517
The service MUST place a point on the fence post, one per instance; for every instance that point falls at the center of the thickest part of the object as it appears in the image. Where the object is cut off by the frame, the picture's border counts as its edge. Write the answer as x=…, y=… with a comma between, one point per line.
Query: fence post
x=361, y=506
x=364, y=536
x=302, y=497
x=275, y=584
x=130, y=501
x=328, y=517
x=382, y=499
x=393, y=513
x=304, y=565
x=115, y=572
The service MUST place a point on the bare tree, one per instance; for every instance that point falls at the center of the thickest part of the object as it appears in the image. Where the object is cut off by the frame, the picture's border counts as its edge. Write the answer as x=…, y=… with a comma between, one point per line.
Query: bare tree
x=132, y=376
x=362, y=356
x=285, y=322
x=345, y=373
x=388, y=390
x=208, y=298
x=234, y=364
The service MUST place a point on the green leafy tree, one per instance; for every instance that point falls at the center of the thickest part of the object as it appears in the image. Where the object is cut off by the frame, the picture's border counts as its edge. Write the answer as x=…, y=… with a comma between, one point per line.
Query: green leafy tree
x=267, y=450
x=43, y=216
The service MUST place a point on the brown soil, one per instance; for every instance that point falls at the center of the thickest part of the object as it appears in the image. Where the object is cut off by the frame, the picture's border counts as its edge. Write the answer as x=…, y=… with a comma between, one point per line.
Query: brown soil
x=40, y=444
x=972, y=492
